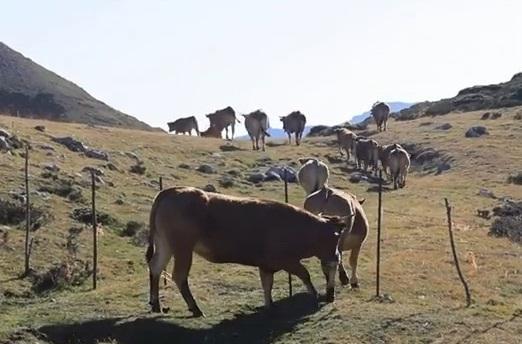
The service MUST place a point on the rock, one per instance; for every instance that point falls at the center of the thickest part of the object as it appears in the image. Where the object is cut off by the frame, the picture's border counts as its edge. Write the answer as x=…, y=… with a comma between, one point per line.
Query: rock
x=256, y=177
x=139, y=168
x=40, y=128
x=4, y=145
x=209, y=188
x=51, y=167
x=445, y=126
x=333, y=159
x=5, y=133
x=95, y=170
x=515, y=179
x=184, y=166
x=206, y=168
x=47, y=147
x=355, y=178
x=96, y=154
x=284, y=172
x=496, y=115
x=272, y=176
x=229, y=148
x=112, y=167
x=226, y=182
x=70, y=143
x=133, y=156
x=234, y=173
x=485, y=116
x=477, y=131
x=486, y=193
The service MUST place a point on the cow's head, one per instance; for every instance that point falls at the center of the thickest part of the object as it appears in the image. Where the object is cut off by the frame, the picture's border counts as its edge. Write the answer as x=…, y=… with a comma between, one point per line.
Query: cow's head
x=171, y=126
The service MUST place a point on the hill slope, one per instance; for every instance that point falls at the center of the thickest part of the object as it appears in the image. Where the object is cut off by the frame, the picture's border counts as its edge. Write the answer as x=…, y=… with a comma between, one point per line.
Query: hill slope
x=30, y=90
x=424, y=300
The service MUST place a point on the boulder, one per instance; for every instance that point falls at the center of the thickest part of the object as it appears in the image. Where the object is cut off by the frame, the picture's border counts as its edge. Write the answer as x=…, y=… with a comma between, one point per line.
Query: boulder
x=70, y=143
x=206, y=168
x=257, y=177
x=4, y=145
x=209, y=188
x=476, y=131
x=96, y=154
x=5, y=133
x=40, y=128
x=51, y=167
x=95, y=170
x=226, y=182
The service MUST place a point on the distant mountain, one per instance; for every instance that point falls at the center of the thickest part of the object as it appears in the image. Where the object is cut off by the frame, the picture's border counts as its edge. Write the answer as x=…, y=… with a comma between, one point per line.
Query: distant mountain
x=502, y=95
x=394, y=107
x=29, y=90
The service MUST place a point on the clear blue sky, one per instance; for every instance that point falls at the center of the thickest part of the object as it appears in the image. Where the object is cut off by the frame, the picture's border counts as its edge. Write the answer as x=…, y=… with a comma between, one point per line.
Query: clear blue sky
x=158, y=60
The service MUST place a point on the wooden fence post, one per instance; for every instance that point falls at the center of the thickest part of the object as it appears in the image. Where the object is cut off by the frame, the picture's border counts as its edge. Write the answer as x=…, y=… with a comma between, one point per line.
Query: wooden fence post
x=379, y=221
x=455, y=257
x=28, y=241
x=285, y=175
x=94, y=232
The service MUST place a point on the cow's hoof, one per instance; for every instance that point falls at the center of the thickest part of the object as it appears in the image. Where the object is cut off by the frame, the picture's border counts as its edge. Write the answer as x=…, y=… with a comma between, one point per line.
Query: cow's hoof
x=344, y=279
x=330, y=295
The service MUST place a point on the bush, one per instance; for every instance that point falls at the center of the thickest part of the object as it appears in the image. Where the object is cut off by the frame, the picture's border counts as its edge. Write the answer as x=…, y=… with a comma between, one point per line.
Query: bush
x=84, y=215
x=61, y=276
x=139, y=168
x=13, y=213
x=508, y=226
x=132, y=228
x=515, y=179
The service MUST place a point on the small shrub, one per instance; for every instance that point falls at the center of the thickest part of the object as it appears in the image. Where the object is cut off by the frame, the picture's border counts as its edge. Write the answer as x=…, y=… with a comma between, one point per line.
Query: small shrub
x=132, y=228
x=139, y=168
x=61, y=276
x=13, y=213
x=508, y=226
x=84, y=215
x=516, y=179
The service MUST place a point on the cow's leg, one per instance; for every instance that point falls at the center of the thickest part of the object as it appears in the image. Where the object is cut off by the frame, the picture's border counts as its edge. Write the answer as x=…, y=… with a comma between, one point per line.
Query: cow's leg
x=354, y=257
x=253, y=142
x=297, y=139
x=263, y=141
x=343, y=276
x=233, y=129
x=257, y=142
x=300, y=271
x=330, y=269
x=157, y=264
x=226, y=132
x=182, y=264
x=267, y=281
x=289, y=138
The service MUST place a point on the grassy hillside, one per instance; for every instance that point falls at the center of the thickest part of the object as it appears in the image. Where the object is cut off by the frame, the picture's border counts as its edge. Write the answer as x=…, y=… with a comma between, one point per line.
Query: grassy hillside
x=30, y=90
x=424, y=300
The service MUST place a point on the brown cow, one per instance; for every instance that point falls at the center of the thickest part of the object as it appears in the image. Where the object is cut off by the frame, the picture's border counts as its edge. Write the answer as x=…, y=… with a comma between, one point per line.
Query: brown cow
x=399, y=162
x=346, y=141
x=366, y=153
x=384, y=155
x=270, y=235
x=222, y=119
x=184, y=125
x=380, y=112
x=212, y=131
x=329, y=201
x=294, y=123
x=256, y=124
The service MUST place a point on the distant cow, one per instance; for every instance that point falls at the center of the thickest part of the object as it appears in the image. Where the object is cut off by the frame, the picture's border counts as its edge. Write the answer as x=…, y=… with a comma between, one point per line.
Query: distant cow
x=384, y=155
x=366, y=153
x=329, y=201
x=312, y=175
x=222, y=119
x=399, y=163
x=380, y=112
x=270, y=235
x=256, y=124
x=212, y=132
x=184, y=125
x=346, y=141
x=294, y=123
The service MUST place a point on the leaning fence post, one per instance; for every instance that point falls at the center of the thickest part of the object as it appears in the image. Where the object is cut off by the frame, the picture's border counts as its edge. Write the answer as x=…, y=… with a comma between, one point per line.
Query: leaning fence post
x=94, y=232
x=379, y=220
x=28, y=242
x=285, y=179
x=455, y=257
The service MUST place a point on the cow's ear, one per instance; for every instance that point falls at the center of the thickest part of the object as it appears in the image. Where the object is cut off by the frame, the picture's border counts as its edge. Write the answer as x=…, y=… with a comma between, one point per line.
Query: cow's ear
x=303, y=161
x=361, y=201
x=282, y=118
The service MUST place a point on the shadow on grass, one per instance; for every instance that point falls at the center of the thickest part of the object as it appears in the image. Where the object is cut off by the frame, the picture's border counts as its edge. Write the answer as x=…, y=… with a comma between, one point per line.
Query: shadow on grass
x=259, y=327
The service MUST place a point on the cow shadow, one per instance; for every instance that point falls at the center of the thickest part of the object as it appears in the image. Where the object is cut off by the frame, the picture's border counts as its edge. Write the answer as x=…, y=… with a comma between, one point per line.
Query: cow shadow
x=258, y=327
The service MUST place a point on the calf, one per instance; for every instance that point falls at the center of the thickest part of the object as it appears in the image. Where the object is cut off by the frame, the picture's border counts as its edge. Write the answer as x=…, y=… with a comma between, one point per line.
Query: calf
x=269, y=235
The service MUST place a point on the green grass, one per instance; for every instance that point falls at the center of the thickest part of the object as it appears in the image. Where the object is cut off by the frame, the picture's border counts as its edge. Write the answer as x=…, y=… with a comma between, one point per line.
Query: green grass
x=417, y=268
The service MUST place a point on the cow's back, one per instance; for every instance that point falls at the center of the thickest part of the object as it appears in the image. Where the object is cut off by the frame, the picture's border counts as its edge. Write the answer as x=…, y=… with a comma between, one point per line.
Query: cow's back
x=313, y=175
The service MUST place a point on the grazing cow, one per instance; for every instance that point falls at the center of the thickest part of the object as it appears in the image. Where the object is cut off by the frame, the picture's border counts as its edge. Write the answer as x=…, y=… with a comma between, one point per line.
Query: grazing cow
x=380, y=112
x=212, y=131
x=399, y=163
x=270, y=235
x=346, y=140
x=366, y=153
x=312, y=175
x=222, y=119
x=329, y=201
x=256, y=124
x=184, y=125
x=384, y=155
x=294, y=123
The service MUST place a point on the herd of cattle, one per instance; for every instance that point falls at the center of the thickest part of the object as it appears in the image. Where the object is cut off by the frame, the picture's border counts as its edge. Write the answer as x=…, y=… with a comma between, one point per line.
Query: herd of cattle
x=269, y=235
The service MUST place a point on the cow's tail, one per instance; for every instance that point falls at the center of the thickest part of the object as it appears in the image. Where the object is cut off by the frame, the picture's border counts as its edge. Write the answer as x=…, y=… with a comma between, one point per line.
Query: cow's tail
x=152, y=229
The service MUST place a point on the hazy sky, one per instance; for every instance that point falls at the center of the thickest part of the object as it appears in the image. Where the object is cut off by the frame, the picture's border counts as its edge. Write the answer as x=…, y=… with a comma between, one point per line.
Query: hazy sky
x=158, y=60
